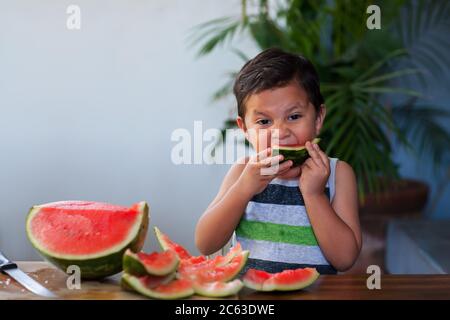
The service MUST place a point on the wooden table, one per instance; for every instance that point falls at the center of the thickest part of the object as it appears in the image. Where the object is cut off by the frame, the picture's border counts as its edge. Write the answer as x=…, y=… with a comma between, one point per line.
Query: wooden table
x=348, y=287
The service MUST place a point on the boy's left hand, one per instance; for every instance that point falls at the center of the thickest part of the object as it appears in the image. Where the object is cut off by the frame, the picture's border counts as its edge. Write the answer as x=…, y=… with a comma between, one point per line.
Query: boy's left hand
x=315, y=171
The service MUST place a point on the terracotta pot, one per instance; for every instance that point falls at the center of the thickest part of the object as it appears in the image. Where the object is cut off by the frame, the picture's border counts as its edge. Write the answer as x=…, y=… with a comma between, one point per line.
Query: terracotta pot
x=401, y=197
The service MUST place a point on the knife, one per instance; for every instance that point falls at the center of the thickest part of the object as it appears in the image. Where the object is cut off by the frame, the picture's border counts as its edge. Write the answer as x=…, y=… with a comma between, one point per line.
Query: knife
x=10, y=268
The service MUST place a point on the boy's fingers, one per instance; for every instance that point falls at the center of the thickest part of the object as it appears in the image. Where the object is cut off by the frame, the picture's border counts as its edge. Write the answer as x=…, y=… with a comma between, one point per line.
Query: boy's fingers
x=262, y=155
x=285, y=167
x=323, y=156
x=270, y=161
x=314, y=154
x=307, y=164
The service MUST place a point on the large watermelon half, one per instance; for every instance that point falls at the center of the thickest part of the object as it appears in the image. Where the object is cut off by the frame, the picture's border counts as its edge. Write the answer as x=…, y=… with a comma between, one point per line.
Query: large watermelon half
x=90, y=235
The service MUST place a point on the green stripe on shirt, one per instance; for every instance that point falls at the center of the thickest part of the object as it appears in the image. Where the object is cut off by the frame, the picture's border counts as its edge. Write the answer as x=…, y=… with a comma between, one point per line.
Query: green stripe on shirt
x=301, y=235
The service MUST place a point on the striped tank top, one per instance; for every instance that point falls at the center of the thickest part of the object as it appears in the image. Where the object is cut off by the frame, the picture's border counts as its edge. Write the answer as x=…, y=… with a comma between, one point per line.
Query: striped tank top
x=275, y=228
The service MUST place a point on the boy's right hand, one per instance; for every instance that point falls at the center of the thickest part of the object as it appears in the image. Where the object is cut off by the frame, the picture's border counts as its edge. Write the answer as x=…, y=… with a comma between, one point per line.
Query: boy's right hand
x=260, y=170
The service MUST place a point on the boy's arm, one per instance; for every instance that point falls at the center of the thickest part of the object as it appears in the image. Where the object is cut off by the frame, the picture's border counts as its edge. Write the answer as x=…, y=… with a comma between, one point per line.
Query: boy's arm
x=244, y=180
x=220, y=219
x=336, y=225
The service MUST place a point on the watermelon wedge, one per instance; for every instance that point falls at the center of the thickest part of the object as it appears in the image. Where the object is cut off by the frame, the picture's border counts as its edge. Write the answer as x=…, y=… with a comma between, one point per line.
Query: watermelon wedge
x=166, y=243
x=175, y=289
x=297, y=153
x=209, y=271
x=218, y=289
x=233, y=252
x=91, y=235
x=156, y=263
x=287, y=280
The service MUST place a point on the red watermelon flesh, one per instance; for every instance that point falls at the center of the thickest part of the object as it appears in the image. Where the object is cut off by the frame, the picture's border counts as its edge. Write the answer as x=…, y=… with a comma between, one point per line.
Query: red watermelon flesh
x=254, y=279
x=155, y=263
x=91, y=235
x=157, y=259
x=286, y=280
x=82, y=227
x=210, y=272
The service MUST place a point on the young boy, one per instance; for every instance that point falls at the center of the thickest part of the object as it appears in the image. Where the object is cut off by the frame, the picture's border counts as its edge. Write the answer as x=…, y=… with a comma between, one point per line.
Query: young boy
x=303, y=216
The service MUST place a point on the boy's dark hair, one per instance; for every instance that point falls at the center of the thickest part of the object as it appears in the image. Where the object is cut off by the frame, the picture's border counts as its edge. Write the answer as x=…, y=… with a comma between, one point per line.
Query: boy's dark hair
x=274, y=68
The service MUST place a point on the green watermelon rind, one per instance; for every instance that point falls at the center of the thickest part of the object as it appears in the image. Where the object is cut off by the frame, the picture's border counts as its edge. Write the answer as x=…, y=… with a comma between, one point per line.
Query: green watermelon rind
x=297, y=154
x=165, y=246
x=253, y=285
x=132, y=265
x=159, y=237
x=233, y=287
x=102, y=264
x=132, y=282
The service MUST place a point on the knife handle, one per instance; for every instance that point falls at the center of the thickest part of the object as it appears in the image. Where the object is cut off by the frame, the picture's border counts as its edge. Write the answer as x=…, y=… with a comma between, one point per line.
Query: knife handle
x=5, y=263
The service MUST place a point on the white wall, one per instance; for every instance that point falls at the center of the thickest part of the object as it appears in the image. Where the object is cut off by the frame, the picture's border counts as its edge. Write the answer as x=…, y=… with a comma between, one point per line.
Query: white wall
x=88, y=114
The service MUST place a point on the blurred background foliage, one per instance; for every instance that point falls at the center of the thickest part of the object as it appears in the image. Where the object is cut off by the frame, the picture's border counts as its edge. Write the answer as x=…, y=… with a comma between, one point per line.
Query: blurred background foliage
x=368, y=77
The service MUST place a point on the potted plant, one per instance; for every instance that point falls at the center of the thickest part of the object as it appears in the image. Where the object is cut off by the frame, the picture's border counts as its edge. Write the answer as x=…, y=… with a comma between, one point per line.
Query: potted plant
x=368, y=80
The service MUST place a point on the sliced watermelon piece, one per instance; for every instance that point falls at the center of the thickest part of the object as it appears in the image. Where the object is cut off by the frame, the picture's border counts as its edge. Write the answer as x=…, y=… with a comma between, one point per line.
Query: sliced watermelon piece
x=233, y=252
x=91, y=235
x=254, y=279
x=195, y=264
x=297, y=153
x=175, y=289
x=286, y=280
x=166, y=243
x=194, y=260
x=210, y=272
x=218, y=289
x=150, y=281
x=156, y=263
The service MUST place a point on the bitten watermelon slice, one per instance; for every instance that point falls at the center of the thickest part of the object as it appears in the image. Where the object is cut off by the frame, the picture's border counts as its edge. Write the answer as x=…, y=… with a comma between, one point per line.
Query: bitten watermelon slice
x=209, y=271
x=155, y=263
x=218, y=289
x=166, y=243
x=297, y=153
x=91, y=235
x=175, y=289
x=286, y=280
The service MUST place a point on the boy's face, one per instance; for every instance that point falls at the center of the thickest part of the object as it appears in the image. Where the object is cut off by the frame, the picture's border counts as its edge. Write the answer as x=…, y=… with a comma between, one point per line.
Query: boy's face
x=281, y=116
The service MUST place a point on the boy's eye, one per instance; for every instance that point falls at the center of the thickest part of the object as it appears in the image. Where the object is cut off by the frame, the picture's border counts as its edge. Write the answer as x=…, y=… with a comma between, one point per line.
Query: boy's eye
x=295, y=116
x=263, y=121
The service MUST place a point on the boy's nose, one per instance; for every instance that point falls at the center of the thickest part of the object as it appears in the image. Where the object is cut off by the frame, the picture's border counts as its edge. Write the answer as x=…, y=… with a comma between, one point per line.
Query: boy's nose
x=280, y=132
